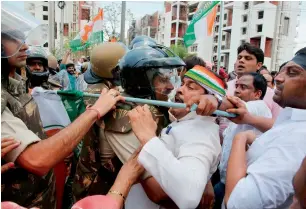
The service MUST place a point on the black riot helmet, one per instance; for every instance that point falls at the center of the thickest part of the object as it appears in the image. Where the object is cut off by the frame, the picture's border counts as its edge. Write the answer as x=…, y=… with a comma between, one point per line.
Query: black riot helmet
x=37, y=78
x=146, y=72
x=141, y=41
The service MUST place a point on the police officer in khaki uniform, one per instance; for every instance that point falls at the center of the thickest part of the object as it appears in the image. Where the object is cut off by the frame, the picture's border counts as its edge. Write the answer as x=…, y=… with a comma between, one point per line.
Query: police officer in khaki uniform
x=145, y=72
x=31, y=183
x=101, y=74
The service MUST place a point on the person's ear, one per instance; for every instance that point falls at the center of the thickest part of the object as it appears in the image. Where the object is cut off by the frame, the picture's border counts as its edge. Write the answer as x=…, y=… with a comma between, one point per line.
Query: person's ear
x=258, y=94
x=259, y=65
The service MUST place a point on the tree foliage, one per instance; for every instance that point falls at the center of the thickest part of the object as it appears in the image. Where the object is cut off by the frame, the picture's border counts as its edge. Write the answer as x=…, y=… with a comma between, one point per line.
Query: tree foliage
x=112, y=20
x=180, y=50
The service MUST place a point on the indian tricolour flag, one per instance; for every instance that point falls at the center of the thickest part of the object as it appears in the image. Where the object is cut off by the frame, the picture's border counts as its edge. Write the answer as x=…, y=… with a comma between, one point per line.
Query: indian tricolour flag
x=92, y=33
x=57, y=110
x=202, y=23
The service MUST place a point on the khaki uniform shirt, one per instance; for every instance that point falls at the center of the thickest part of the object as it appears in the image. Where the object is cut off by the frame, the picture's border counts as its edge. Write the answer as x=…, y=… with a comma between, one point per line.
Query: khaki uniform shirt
x=20, y=119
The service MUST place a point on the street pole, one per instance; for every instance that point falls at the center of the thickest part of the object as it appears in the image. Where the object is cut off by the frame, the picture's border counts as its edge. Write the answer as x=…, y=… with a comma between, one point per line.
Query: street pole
x=122, y=32
x=61, y=5
x=51, y=26
x=220, y=36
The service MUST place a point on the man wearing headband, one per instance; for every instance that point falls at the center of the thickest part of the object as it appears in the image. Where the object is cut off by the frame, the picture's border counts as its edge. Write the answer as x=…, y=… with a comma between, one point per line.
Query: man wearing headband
x=260, y=170
x=145, y=72
x=184, y=156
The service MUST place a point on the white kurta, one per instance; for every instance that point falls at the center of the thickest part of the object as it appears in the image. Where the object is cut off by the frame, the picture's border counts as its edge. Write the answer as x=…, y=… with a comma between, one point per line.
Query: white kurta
x=257, y=108
x=272, y=161
x=182, y=160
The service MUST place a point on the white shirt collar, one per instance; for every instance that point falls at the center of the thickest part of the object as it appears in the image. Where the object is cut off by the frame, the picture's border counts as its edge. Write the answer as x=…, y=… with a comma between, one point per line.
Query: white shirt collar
x=289, y=113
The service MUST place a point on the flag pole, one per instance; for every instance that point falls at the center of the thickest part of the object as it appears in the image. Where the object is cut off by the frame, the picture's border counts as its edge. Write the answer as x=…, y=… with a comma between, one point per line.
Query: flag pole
x=220, y=35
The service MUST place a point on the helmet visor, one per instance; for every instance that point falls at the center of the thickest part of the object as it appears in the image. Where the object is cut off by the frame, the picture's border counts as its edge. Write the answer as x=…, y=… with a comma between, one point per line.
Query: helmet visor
x=18, y=28
x=163, y=82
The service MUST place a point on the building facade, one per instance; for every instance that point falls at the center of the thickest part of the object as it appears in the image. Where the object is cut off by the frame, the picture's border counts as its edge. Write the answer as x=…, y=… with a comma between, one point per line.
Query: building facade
x=76, y=15
x=270, y=25
x=172, y=23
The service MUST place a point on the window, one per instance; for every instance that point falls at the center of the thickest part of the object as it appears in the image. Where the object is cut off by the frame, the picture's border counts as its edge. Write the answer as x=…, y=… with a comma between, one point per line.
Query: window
x=73, y=26
x=246, y=5
x=259, y=28
x=66, y=29
x=286, y=26
x=215, y=49
x=216, y=39
x=244, y=30
x=222, y=47
x=260, y=14
x=74, y=17
x=223, y=38
x=258, y=2
x=33, y=14
x=46, y=44
x=224, y=25
x=217, y=28
x=55, y=30
x=45, y=8
x=217, y=18
x=225, y=16
x=222, y=58
x=45, y=17
x=244, y=18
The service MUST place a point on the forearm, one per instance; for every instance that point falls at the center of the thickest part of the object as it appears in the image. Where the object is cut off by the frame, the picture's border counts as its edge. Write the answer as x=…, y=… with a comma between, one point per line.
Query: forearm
x=237, y=167
x=261, y=123
x=122, y=186
x=153, y=190
x=226, y=104
x=40, y=157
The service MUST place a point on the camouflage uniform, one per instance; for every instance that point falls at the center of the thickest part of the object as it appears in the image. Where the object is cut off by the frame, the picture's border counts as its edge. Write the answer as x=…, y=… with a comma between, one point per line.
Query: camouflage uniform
x=18, y=185
x=96, y=175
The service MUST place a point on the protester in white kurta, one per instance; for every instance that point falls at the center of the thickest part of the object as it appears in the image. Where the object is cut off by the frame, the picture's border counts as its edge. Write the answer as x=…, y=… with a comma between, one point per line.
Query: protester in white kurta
x=272, y=161
x=186, y=154
x=257, y=108
x=261, y=176
x=181, y=160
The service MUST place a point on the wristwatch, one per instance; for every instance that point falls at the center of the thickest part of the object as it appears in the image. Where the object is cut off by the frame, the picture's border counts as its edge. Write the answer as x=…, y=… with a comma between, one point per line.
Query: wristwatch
x=219, y=99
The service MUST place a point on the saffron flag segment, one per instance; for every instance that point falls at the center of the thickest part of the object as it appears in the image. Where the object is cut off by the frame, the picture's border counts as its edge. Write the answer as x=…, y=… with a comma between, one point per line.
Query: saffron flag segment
x=92, y=33
x=202, y=22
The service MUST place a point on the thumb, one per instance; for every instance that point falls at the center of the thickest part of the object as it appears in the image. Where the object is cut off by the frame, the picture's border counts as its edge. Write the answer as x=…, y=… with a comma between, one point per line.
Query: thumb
x=6, y=167
x=104, y=91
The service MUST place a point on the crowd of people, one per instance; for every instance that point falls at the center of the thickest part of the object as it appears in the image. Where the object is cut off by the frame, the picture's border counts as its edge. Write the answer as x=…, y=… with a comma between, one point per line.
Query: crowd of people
x=137, y=156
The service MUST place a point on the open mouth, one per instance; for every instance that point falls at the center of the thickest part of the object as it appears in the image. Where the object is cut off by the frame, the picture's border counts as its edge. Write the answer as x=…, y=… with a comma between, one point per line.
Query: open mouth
x=240, y=67
x=178, y=100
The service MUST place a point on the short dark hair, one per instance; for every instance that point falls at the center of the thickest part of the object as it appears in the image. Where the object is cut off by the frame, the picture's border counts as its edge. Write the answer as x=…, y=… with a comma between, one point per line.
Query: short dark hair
x=259, y=83
x=257, y=52
x=192, y=61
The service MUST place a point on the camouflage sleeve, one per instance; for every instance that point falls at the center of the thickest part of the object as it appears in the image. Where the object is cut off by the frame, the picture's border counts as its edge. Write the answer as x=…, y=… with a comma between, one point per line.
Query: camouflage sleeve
x=14, y=127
